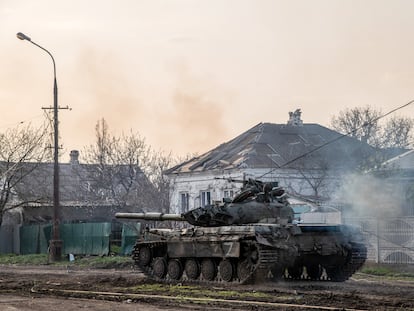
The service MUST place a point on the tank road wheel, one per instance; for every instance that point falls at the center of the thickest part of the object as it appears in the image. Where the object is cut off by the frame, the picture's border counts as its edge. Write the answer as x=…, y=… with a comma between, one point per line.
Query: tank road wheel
x=314, y=271
x=192, y=269
x=295, y=272
x=159, y=267
x=248, y=262
x=244, y=269
x=226, y=270
x=175, y=269
x=208, y=269
x=144, y=256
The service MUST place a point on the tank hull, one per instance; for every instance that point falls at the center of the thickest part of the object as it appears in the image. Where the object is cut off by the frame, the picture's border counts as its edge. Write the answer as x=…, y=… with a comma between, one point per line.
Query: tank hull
x=250, y=253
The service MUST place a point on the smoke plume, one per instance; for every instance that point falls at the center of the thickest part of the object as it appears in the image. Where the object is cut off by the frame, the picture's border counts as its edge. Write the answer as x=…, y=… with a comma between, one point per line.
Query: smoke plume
x=367, y=195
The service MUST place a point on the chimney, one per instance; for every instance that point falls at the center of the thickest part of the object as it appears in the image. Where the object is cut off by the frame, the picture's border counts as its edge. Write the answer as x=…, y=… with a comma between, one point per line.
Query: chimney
x=294, y=118
x=74, y=157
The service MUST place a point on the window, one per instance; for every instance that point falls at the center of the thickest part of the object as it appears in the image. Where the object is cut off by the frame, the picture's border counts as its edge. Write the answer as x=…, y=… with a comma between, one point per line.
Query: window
x=205, y=198
x=228, y=194
x=184, y=202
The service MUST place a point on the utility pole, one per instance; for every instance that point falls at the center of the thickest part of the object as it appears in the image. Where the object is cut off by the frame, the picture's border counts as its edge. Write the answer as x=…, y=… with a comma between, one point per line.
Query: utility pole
x=55, y=243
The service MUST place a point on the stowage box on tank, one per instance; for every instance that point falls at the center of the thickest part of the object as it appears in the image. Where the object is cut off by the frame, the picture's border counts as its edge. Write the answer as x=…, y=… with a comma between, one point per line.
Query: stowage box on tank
x=247, y=240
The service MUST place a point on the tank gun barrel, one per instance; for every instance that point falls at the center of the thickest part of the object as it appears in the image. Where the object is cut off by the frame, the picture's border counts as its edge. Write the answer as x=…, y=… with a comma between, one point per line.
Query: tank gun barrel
x=151, y=216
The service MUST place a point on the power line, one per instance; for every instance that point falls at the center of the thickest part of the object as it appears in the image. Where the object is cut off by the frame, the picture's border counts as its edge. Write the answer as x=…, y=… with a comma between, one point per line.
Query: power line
x=21, y=122
x=339, y=137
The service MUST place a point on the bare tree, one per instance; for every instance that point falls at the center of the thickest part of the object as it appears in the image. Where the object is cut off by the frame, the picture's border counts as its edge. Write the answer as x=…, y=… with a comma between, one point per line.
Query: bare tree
x=114, y=165
x=315, y=172
x=358, y=122
x=127, y=171
x=398, y=132
x=364, y=124
x=160, y=162
x=22, y=149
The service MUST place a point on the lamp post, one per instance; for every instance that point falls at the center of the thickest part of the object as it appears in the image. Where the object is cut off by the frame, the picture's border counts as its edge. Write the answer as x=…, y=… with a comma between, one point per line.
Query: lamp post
x=55, y=244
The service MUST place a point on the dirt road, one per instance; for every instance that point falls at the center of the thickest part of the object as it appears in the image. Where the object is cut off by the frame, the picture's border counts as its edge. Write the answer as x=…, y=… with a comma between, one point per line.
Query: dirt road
x=69, y=288
x=22, y=303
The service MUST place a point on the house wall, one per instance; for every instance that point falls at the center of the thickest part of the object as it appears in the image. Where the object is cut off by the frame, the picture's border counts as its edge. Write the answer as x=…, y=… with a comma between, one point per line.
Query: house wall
x=43, y=214
x=194, y=184
x=217, y=183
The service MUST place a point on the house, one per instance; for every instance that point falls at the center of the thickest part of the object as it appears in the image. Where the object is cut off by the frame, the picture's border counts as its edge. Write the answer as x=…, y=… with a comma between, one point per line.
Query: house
x=88, y=193
x=307, y=159
x=311, y=161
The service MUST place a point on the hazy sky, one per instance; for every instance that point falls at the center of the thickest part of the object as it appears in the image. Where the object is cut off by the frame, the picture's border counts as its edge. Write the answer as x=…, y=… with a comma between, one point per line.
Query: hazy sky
x=191, y=74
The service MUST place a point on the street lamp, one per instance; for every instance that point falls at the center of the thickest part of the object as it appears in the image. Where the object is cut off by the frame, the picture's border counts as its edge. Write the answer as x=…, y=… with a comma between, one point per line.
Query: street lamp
x=55, y=244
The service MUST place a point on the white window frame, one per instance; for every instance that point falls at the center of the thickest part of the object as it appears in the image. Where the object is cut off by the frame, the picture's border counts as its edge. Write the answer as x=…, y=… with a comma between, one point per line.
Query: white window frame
x=205, y=198
x=184, y=202
x=228, y=193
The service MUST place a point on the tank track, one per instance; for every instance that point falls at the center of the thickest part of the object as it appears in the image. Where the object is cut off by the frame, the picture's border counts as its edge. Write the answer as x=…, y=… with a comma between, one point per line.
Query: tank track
x=354, y=261
x=269, y=264
x=328, y=269
x=245, y=270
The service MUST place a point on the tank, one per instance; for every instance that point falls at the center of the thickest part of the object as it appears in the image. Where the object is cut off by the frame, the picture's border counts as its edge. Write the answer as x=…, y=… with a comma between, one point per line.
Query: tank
x=248, y=239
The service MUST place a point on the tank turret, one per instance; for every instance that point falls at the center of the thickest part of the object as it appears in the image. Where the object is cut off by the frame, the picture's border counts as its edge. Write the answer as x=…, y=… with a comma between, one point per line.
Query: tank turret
x=258, y=202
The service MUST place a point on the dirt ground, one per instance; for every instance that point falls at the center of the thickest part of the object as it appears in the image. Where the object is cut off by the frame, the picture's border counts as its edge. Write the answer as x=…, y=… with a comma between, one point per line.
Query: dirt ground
x=68, y=288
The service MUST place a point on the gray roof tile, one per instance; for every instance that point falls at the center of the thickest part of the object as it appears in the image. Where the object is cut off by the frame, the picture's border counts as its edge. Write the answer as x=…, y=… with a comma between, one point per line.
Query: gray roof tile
x=269, y=145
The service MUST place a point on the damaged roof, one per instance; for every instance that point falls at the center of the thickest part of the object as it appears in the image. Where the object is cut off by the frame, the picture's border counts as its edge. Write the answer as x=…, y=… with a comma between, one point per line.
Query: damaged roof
x=269, y=145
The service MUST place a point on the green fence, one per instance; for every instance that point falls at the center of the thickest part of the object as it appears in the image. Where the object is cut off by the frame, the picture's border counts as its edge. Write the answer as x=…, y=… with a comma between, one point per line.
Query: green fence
x=129, y=235
x=34, y=239
x=78, y=239
x=85, y=238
